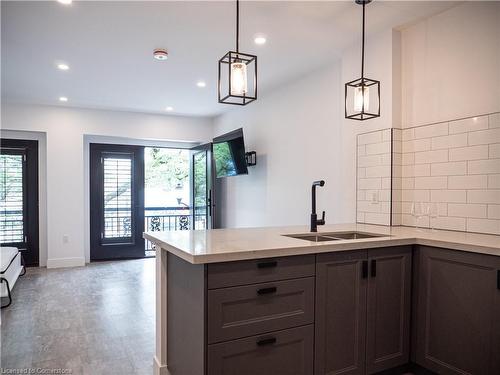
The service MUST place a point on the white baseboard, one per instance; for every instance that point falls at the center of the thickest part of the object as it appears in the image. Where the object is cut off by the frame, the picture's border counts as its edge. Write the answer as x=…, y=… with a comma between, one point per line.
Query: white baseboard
x=159, y=369
x=65, y=262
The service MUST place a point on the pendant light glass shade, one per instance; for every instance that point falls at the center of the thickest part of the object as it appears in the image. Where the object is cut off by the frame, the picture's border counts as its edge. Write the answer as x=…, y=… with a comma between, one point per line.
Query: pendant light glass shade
x=362, y=95
x=237, y=83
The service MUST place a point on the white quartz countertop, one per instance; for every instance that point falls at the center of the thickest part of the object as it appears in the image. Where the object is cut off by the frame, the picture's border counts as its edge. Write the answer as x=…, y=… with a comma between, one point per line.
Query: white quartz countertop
x=224, y=245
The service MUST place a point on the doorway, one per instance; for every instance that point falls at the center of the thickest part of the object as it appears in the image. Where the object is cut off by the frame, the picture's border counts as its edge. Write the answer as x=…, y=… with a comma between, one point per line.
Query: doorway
x=19, y=197
x=134, y=189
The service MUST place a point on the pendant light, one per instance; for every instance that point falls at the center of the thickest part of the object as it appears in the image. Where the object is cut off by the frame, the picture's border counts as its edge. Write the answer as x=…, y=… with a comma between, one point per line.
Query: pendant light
x=362, y=96
x=237, y=82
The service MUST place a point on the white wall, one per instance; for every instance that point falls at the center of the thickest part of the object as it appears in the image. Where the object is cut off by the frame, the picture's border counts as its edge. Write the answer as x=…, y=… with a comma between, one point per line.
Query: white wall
x=300, y=135
x=65, y=130
x=451, y=65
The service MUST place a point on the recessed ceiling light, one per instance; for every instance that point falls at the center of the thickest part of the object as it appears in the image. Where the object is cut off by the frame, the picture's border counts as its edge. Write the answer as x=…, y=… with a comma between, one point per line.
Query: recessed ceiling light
x=201, y=84
x=62, y=66
x=260, y=39
x=169, y=109
x=65, y=2
x=63, y=99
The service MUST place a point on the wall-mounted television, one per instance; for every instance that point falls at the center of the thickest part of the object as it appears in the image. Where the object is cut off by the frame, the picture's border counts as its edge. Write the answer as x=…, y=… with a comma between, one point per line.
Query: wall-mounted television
x=229, y=154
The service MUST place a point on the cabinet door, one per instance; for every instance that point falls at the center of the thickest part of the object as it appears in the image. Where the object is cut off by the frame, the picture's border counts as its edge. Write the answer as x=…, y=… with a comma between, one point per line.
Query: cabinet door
x=388, y=308
x=286, y=352
x=457, y=312
x=340, y=324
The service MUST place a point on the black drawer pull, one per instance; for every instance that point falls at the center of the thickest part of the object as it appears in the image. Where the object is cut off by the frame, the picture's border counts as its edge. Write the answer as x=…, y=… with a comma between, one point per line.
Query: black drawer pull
x=498, y=279
x=271, y=264
x=269, y=341
x=374, y=268
x=266, y=290
x=364, y=269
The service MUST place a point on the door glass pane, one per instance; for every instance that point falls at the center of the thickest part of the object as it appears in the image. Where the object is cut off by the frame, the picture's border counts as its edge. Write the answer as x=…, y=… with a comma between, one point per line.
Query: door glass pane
x=11, y=199
x=117, y=197
x=200, y=190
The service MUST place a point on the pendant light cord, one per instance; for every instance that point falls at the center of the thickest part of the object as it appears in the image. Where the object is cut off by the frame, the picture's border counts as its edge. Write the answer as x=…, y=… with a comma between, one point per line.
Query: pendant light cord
x=237, y=25
x=363, y=46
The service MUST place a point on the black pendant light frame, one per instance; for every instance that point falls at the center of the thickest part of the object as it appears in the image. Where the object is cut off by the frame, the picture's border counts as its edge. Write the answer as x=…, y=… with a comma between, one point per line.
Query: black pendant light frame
x=363, y=81
x=234, y=57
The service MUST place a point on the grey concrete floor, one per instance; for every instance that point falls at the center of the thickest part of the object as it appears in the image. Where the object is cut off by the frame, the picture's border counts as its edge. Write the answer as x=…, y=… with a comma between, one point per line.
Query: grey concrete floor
x=97, y=319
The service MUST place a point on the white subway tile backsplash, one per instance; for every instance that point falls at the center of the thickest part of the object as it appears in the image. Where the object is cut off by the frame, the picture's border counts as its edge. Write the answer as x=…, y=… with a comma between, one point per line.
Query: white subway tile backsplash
x=469, y=124
x=454, y=164
x=408, y=159
x=431, y=182
x=483, y=196
x=494, y=120
x=370, y=183
x=449, y=141
x=449, y=223
x=483, y=226
x=469, y=153
x=362, y=150
x=484, y=137
x=429, y=131
x=408, y=183
x=369, y=161
x=449, y=196
x=378, y=148
x=468, y=182
x=408, y=134
x=437, y=156
x=449, y=169
x=494, y=150
x=416, y=170
x=494, y=211
x=490, y=166
x=423, y=144
x=494, y=181
x=467, y=210
x=416, y=195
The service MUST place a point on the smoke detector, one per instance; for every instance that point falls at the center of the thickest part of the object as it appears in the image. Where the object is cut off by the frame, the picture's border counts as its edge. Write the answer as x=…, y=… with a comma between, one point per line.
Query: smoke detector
x=160, y=54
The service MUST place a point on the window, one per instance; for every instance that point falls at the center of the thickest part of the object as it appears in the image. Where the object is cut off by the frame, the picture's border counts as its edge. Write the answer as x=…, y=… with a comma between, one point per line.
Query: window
x=117, y=197
x=11, y=198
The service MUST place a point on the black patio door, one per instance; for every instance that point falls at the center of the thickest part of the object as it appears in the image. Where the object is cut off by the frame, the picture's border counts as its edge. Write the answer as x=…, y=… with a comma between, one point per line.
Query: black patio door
x=202, y=197
x=19, y=197
x=116, y=201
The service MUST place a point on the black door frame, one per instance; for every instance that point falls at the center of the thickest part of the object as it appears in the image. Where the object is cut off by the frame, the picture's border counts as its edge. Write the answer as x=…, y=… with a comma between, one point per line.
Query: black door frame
x=210, y=186
x=30, y=248
x=116, y=249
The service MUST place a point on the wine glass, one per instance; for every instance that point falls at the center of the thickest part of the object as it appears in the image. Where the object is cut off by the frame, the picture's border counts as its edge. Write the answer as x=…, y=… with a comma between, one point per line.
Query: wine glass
x=432, y=211
x=417, y=212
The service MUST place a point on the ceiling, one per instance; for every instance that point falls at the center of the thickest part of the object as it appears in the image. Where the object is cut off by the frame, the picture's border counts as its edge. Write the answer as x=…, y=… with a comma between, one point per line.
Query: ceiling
x=108, y=46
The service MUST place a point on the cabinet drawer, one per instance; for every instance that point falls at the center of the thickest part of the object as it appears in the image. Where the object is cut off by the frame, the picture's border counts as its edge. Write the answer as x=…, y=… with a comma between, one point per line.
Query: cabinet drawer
x=288, y=352
x=254, y=309
x=221, y=275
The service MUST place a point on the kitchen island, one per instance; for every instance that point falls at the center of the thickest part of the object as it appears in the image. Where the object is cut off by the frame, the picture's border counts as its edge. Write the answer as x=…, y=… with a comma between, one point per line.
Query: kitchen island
x=253, y=300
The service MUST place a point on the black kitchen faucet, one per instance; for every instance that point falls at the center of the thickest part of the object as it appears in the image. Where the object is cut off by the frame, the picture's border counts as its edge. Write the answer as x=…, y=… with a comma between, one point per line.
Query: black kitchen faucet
x=314, y=218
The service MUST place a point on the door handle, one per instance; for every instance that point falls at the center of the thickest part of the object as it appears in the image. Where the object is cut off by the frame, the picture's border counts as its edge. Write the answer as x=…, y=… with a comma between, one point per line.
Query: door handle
x=364, y=269
x=266, y=290
x=270, y=264
x=209, y=202
x=374, y=268
x=269, y=341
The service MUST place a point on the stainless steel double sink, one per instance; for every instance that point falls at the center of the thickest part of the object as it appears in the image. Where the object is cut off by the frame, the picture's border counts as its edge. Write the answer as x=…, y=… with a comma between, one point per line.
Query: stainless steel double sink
x=334, y=236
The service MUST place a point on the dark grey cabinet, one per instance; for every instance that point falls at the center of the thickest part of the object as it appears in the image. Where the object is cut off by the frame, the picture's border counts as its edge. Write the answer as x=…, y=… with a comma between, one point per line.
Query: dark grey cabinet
x=363, y=301
x=458, y=312
x=388, y=308
x=340, y=324
x=287, y=352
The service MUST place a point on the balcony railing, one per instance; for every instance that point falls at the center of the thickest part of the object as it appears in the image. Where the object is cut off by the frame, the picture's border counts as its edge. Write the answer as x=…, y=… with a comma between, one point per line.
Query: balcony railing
x=170, y=218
